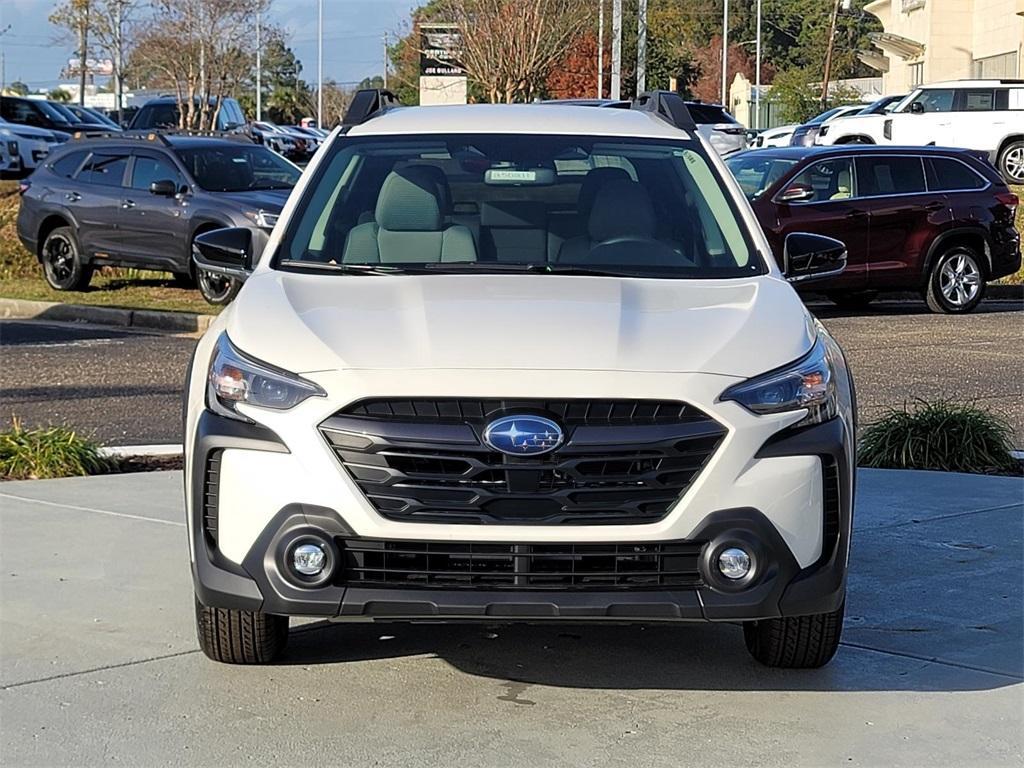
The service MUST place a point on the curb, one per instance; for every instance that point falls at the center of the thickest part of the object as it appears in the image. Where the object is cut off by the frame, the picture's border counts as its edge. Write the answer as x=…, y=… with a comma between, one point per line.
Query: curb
x=149, y=319
x=132, y=451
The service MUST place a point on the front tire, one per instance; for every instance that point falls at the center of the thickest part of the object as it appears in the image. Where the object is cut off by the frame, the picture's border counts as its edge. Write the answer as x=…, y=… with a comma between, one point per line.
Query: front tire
x=956, y=283
x=1011, y=162
x=240, y=637
x=63, y=266
x=795, y=642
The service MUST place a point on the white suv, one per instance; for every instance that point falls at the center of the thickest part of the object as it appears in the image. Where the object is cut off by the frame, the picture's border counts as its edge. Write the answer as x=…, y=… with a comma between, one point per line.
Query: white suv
x=519, y=363
x=985, y=115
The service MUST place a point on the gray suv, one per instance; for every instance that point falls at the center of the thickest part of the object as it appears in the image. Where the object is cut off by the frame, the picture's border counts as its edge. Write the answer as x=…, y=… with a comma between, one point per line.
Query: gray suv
x=139, y=201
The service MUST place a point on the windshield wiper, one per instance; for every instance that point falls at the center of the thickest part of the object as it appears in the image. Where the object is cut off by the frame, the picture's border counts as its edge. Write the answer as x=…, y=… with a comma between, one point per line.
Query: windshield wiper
x=530, y=267
x=350, y=269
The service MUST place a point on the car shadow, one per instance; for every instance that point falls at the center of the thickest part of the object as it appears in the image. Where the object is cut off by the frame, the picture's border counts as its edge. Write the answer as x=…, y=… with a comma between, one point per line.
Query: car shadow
x=894, y=307
x=628, y=657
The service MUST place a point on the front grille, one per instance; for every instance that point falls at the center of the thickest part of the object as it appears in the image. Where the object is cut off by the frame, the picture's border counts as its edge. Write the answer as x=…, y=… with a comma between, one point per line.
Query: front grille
x=211, y=489
x=448, y=565
x=568, y=413
x=623, y=461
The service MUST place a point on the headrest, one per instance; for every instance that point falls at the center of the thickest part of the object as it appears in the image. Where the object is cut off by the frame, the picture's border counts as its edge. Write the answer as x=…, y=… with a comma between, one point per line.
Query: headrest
x=622, y=208
x=409, y=201
x=441, y=180
x=592, y=183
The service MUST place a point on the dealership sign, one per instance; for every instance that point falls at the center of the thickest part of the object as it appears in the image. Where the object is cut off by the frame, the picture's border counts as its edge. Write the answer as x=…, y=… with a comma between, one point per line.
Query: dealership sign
x=440, y=50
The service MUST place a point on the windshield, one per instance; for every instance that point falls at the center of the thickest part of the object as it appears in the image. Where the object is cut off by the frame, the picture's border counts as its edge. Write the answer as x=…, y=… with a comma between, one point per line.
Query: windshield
x=817, y=120
x=238, y=167
x=757, y=173
x=450, y=203
x=55, y=114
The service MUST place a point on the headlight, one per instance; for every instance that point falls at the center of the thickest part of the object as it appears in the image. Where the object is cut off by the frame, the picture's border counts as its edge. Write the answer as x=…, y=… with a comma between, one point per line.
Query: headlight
x=808, y=383
x=263, y=219
x=235, y=378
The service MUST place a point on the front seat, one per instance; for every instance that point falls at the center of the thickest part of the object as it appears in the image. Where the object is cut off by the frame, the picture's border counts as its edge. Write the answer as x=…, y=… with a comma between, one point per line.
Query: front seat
x=408, y=225
x=622, y=209
x=844, y=186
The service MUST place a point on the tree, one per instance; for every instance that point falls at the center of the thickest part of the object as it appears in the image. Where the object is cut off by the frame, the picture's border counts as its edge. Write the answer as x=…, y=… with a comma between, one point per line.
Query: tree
x=18, y=88
x=109, y=24
x=510, y=46
x=75, y=17
x=194, y=48
x=59, y=94
x=287, y=98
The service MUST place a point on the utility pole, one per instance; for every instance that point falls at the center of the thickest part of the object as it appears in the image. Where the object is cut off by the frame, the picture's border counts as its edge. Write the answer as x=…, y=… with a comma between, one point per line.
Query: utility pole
x=828, y=55
x=600, y=49
x=119, y=56
x=757, y=72
x=83, y=46
x=385, y=59
x=641, y=47
x=259, y=65
x=725, y=53
x=320, y=66
x=616, y=49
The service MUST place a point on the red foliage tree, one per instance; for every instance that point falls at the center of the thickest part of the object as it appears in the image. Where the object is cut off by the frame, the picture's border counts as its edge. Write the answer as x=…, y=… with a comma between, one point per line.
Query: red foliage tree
x=708, y=62
x=574, y=76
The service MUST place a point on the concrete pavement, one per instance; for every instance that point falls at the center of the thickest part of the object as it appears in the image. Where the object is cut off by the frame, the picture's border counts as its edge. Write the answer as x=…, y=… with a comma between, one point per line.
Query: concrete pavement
x=99, y=664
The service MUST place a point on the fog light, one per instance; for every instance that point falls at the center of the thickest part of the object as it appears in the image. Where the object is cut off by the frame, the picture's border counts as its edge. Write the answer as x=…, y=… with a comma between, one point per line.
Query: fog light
x=734, y=563
x=309, y=559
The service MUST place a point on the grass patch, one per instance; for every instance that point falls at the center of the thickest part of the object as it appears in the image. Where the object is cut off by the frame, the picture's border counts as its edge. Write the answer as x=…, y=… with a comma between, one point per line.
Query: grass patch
x=942, y=435
x=109, y=289
x=31, y=454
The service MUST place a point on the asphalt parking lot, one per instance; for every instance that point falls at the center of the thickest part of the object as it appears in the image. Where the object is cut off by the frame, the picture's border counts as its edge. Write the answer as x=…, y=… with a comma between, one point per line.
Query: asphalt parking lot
x=100, y=666
x=125, y=387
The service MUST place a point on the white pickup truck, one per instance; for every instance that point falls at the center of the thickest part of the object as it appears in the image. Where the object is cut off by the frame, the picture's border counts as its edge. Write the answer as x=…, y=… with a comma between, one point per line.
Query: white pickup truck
x=986, y=115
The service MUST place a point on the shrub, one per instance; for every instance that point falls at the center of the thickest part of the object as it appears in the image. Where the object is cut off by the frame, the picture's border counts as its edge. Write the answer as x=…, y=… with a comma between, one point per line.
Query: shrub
x=943, y=435
x=49, y=452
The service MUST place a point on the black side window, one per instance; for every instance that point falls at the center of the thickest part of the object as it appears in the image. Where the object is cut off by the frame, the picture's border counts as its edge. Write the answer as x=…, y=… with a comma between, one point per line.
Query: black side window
x=703, y=114
x=149, y=169
x=158, y=116
x=18, y=111
x=105, y=168
x=976, y=100
x=1003, y=99
x=947, y=175
x=878, y=176
x=68, y=164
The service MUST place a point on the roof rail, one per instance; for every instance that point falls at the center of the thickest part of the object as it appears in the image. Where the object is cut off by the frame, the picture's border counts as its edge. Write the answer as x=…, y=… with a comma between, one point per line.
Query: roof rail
x=118, y=135
x=667, y=105
x=367, y=103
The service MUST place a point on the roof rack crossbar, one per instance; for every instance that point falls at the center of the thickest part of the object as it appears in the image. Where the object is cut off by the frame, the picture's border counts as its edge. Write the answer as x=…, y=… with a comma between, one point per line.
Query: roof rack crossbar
x=667, y=105
x=367, y=103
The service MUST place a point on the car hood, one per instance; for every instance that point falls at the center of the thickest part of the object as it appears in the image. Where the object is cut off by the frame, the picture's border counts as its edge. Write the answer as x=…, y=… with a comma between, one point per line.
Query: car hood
x=270, y=200
x=305, y=323
x=28, y=131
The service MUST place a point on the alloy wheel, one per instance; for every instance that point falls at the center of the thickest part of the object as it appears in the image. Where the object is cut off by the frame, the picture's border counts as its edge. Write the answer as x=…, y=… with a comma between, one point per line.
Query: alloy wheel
x=1013, y=163
x=60, y=258
x=216, y=289
x=960, y=280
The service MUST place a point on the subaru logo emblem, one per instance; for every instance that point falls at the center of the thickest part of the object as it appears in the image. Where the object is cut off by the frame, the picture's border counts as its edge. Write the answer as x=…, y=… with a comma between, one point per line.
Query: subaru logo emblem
x=523, y=435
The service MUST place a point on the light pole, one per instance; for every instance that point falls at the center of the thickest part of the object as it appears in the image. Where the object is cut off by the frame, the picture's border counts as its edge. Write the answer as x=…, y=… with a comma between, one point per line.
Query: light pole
x=725, y=51
x=320, y=66
x=641, y=47
x=757, y=72
x=600, y=49
x=259, y=68
x=616, y=49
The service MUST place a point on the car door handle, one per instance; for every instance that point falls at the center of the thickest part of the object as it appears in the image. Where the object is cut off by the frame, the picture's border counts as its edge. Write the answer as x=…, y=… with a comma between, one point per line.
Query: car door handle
x=74, y=197
x=934, y=206
x=856, y=214
x=128, y=204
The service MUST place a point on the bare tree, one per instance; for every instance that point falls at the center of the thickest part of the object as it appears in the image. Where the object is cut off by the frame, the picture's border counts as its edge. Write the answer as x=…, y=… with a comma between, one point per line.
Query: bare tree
x=108, y=25
x=509, y=46
x=195, y=48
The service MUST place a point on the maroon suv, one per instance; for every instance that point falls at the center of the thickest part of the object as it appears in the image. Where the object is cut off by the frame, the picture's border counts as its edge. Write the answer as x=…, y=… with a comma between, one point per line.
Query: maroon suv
x=930, y=219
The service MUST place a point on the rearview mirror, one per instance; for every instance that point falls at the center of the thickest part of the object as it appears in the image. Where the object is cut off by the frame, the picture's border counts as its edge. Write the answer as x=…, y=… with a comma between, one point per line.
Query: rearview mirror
x=796, y=193
x=224, y=252
x=807, y=256
x=163, y=188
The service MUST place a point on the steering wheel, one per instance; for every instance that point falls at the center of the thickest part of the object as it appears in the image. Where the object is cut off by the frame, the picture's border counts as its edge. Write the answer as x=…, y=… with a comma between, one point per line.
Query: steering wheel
x=622, y=250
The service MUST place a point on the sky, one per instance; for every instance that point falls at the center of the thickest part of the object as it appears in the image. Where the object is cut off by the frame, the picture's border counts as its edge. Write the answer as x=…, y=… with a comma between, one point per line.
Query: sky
x=353, y=37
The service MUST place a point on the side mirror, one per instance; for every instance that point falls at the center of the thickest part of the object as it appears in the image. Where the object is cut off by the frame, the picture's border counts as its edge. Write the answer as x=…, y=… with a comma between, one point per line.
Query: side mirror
x=808, y=257
x=917, y=108
x=163, y=188
x=225, y=252
x=796, y=193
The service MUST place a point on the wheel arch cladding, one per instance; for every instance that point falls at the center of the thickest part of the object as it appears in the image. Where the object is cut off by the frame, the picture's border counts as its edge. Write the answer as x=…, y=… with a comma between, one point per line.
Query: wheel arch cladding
x=970, y=237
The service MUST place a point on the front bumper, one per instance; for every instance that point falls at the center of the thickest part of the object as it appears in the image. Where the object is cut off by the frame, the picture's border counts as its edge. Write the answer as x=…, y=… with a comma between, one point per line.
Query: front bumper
x=258, y=580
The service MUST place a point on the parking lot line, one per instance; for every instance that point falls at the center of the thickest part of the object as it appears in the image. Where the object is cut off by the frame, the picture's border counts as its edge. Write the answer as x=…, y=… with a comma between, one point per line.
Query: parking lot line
x=91, y=509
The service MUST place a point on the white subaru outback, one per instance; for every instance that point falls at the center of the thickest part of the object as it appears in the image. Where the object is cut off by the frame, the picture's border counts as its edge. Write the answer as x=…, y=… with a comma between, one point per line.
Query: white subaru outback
x=520, y=363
